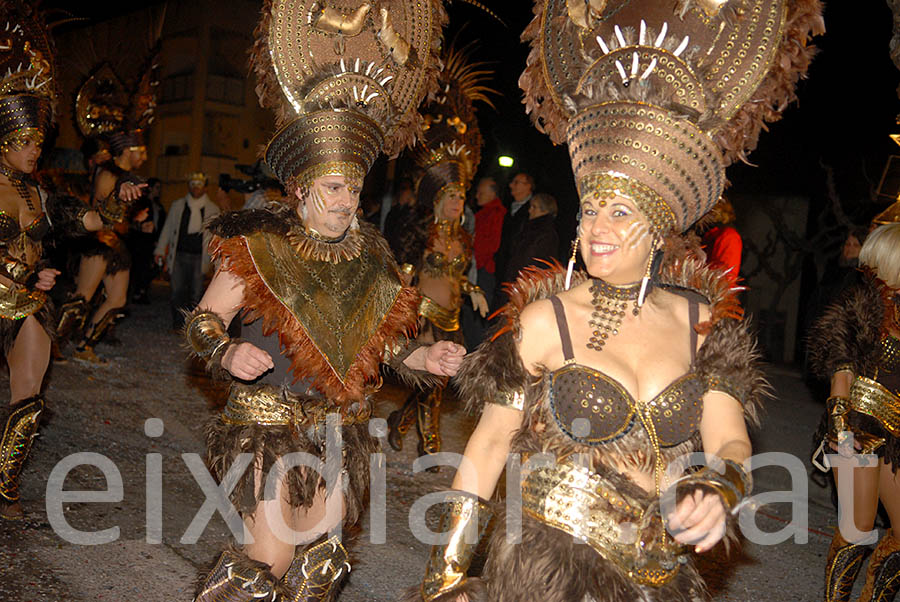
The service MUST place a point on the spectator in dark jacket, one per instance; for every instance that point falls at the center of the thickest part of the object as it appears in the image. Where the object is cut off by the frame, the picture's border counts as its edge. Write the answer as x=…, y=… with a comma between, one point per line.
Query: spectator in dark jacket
x=539, y=241
x=522, y=189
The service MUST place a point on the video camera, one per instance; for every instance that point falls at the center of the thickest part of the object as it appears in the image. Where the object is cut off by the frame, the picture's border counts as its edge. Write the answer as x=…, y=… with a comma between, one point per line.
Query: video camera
x=258, y=177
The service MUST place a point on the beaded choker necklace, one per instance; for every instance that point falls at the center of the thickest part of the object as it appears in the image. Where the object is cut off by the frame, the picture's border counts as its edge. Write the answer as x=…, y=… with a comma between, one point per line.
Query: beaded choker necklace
x=17, y=179
x=610, y=303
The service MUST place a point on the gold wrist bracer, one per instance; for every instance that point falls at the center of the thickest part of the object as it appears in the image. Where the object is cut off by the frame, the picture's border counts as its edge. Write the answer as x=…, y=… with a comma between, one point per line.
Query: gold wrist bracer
x=510, y=398
x=206, y=334
x=464, y=521
x=732, y=485
x=469, y=288
x=113, y=209
x=837, y=416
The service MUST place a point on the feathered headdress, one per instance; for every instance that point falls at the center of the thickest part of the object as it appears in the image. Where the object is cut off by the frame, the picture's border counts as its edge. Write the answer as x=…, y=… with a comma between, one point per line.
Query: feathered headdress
x=655, y=98
x=345, y=79
x=450, y=149
x=27, y=86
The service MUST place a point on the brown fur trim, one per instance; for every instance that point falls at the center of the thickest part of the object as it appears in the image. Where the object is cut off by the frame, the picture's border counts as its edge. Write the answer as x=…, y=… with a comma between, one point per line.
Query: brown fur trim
x=242, y=223
x=548, y=565
x=730, y=354
x=741, y=134
x=306, y=360
x=269, y=443
x=849, y=331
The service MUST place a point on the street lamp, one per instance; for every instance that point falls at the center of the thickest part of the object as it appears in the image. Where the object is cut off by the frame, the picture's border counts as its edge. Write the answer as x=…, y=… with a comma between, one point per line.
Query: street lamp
x=505, y=161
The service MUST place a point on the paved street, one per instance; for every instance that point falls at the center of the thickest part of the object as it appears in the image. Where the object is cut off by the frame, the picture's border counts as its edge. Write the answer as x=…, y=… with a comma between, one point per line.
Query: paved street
x=103, y=411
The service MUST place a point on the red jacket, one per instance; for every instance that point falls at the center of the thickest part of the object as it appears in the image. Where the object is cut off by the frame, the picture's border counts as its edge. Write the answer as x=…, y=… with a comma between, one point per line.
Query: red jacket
x=488, y=228
x=723, y=247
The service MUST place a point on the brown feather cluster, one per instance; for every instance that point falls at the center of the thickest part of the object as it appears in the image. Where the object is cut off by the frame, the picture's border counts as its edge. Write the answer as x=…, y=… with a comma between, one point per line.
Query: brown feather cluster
x=740, y=135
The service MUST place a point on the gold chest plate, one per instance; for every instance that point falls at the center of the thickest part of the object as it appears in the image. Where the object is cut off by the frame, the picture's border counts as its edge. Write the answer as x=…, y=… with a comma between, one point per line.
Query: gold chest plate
x=340, y=305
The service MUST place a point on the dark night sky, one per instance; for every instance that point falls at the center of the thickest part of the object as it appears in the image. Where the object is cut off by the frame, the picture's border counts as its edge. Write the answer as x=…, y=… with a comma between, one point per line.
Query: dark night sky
x=846, y=110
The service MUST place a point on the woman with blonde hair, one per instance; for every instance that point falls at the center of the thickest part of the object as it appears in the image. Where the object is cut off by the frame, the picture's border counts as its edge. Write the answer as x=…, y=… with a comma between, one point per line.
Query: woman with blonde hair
x=856, y=344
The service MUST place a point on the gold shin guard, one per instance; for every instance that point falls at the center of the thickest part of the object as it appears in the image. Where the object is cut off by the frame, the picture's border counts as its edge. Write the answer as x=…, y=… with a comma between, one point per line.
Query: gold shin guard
x=464, y=520
x=237, y=578
x=72, y=315
x=841, y=568
x=429, y=420
x=313, y=575
x=18, y=433
x=883, y=574
x=104, y=326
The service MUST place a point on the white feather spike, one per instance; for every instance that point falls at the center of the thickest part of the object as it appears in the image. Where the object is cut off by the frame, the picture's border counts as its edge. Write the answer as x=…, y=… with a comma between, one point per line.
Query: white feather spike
x=16, y=28
x=356, y=66
x=619, y=36
x=643, y=33
x=38, y=87
x=603, y=45
x=662, y=35
x=569, y=271
x=649, y=69
x=369, y=68
x=682, y=46
x=634, y=64
x=363, y=93
x=7, y=26
x=370, y=97
x=621, y=70
x=343, y=67
x=386, y=80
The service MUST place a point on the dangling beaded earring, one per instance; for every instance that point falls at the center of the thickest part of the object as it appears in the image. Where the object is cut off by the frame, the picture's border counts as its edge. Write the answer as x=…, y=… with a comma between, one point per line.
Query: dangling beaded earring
x=303, y=211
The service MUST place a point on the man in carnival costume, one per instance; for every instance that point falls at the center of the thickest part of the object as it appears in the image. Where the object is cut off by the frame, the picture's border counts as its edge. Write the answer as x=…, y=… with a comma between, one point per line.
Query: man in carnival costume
x=319, y=293
x=609, y=377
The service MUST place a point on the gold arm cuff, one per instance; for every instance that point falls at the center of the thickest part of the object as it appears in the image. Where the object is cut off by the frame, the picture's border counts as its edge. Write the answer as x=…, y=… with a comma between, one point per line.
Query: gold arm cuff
x=113, y=209
x=408, y=268
x=625, y=531
x=464, y=521
x=512, y=398
x=732, y=485
x=206, y=333
x=469, y=288
x=873, y=399
x=443, y=318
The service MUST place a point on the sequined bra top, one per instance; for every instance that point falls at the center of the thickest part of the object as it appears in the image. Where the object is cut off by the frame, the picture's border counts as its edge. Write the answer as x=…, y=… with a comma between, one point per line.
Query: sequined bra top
x=10, y=229
x=593, y=408
x=438, y=264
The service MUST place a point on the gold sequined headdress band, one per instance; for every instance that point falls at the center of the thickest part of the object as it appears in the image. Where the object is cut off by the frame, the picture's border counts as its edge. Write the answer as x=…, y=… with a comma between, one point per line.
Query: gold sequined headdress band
x=663, y=95
x=27, y=86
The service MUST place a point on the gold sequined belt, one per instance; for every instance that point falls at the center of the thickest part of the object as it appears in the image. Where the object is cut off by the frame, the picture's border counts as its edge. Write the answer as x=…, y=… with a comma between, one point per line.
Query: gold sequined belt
x=268, y=405
x=870, y=397
x=443, y=318
x=621, y=529
x=17, y=302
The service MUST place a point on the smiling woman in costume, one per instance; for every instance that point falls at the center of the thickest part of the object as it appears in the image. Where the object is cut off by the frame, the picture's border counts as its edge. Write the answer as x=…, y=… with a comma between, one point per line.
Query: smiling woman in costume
x=603, y=380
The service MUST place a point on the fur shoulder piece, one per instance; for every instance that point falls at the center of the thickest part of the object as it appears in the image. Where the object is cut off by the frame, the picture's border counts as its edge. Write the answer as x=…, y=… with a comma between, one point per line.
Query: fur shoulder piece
x=494, y=370
x=729, y=361
x=250, y=221
x=849, y=330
